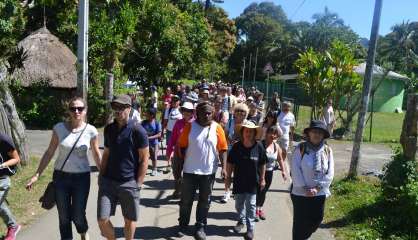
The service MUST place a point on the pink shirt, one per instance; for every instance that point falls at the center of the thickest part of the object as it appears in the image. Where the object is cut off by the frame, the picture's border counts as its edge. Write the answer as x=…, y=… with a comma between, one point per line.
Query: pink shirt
x=177, y=130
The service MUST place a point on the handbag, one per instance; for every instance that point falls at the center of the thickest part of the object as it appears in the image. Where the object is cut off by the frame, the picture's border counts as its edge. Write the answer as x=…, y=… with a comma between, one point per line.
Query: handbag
x=48, y=200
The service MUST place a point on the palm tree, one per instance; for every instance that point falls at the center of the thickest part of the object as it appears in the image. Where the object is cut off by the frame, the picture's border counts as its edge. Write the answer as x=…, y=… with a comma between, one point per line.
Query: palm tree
x=400, y=47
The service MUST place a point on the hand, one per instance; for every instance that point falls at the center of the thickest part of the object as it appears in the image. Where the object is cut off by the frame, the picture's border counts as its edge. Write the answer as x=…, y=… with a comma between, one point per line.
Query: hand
x=311, y=192
x=223, y=173
x=284, y=176
x=262, y=183
x=31, y=182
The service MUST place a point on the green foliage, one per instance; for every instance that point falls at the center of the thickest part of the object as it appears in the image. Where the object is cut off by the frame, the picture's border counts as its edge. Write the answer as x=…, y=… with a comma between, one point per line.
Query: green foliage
x=329, y=75
x=36, y=103
x=400, y=191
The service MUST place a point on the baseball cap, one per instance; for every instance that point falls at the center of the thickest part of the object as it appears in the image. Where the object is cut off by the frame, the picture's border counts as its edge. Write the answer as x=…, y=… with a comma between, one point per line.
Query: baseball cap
x=122, y=99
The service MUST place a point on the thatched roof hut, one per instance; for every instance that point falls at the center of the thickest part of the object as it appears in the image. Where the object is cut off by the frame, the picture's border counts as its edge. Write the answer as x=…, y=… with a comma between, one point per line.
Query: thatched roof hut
x=48, y=59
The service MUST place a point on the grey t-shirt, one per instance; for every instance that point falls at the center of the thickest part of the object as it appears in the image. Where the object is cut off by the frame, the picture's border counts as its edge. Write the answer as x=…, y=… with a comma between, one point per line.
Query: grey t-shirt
x=78, y=161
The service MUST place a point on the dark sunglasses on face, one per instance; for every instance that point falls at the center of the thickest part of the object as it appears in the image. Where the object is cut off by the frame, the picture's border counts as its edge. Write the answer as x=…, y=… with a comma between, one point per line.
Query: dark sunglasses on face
x=79, y=109
x=186, y=110
x=118, y=108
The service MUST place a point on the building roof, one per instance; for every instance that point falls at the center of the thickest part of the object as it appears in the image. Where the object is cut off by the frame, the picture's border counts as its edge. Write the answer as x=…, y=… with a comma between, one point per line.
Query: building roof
x=379, y=71
x=48, y=59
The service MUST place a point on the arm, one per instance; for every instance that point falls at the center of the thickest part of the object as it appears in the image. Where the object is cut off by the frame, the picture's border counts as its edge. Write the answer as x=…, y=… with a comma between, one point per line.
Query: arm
x=297, y=175
x=143, y=164
x=46, y=158
x=281, y=163
x=105, y=158
x=263, y=176
x=171, y=142
x=158, y=135
x=222, y=147
x=228, y=177
x=95, y=151
x=222, y=159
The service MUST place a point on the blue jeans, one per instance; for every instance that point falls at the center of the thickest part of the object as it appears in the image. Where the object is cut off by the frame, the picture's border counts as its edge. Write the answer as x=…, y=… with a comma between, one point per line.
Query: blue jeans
x=192, y=182
x=5, y=212
x=245, y=206
x=71, y=193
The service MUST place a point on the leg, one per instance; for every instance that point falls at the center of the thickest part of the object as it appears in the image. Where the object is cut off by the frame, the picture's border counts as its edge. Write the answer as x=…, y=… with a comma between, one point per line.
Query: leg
x=250, y=202
x=205, y=194
x=80, y=193
x=129, y=229
x=153, y=157
x=301, y=207
x=106, y=206
x=129, y=197
x=5, y=212
x=167, y=138
x=261, y=194
x=316, y=213
x=106, y=228
x=63, y=200
x=240, y=207
x=188, y=190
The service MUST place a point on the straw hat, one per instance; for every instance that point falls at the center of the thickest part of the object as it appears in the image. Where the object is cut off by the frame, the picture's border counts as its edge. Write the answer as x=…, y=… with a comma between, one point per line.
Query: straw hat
x=250, y=125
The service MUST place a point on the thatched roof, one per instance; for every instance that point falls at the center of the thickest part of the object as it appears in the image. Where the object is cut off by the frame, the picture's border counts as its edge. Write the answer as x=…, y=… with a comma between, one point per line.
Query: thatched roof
x=48, y=59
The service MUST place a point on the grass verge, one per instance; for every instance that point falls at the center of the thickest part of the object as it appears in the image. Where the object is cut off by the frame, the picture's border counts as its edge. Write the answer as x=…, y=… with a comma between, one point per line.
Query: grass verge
x=387, y=127
x=356, y=211
x=24, y=204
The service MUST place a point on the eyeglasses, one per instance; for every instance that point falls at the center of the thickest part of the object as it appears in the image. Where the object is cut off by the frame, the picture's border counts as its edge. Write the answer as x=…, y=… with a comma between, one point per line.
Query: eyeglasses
x=75, y=109
x=185, y=110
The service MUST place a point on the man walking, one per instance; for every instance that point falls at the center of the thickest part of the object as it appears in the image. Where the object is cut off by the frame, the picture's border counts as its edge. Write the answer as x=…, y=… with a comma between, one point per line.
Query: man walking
x=202, y=143
x=124, y=165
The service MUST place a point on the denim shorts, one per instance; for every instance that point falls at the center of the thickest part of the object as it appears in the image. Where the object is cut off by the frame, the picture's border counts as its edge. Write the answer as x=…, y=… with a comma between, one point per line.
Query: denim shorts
x=112, y=192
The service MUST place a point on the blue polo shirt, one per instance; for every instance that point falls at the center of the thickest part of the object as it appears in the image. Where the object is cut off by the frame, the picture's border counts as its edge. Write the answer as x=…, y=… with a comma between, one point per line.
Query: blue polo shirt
x=123, y=145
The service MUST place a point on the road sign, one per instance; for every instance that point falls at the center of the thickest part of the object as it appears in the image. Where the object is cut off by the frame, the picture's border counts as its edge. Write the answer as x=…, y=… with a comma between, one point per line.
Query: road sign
x=268, y=69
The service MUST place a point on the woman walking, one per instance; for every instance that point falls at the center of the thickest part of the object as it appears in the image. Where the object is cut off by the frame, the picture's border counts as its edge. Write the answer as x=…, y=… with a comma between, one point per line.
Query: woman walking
x=312, y=173
x=274, y=154
x=270, y=120
x=247, y=161
x=71, y=170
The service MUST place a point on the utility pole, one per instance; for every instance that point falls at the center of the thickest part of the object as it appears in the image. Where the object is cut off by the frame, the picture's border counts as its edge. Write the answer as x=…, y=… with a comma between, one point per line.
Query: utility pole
x=249, y=67
x=367, y=83
x=243, y=73
x=255, y=66
x=82, y=48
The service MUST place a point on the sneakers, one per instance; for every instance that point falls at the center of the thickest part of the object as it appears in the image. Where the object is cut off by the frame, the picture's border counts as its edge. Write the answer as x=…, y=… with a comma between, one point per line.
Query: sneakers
x=249, y=235
x=12, y=232
x=154, y=172
x=238, y=228
x=261, y=214
x=200, y=234
x=226, y=197
x=257, y=215
x=167, y=170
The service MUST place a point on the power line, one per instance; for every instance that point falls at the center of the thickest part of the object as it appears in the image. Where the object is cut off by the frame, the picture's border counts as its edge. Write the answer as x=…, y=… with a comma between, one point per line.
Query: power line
x=298, y=8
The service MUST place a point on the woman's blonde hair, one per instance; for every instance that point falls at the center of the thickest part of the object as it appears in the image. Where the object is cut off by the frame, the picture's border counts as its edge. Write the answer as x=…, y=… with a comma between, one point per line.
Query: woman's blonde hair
x=242, y=107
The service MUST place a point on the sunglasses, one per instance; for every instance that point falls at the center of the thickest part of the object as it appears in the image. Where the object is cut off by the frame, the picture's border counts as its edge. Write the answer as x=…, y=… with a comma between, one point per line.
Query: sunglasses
x=186, y=110
x=79, y=109
x=119, y=108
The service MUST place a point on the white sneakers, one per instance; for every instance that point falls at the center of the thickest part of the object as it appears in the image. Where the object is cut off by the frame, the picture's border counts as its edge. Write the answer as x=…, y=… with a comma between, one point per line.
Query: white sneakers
x=226, y=197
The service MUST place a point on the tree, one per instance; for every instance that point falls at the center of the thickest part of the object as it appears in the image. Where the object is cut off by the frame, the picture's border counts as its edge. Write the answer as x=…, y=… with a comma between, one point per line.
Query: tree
x=400, y=48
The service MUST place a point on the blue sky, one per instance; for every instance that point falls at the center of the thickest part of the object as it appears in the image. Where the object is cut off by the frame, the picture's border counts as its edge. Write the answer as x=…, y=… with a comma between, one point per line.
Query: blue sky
x=358, y=14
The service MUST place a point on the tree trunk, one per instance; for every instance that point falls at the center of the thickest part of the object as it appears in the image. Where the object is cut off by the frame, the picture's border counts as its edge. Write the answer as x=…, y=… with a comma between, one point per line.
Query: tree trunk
x=108, y=94
x=14, y=124
x=408, y=137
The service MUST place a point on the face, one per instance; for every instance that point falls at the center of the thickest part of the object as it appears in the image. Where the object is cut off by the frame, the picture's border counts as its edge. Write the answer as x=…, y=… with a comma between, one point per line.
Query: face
x=149, y=116
x=272, y=136
x=168, y=91
x=205, y=116
x=218, y=105
x=121, y=112
x=239, y=115
x=270, y=119
x=77, y=110
x=175, y=103
x=187, y=113
x=286, y=108
x=315, y=136
x=248, y=134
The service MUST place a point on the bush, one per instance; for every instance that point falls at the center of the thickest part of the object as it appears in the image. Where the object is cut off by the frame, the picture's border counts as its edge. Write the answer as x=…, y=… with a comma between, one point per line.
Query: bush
x=400, y=194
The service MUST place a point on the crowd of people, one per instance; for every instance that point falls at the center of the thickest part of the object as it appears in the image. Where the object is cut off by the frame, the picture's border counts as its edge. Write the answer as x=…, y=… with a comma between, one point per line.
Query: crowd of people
x=201, y=128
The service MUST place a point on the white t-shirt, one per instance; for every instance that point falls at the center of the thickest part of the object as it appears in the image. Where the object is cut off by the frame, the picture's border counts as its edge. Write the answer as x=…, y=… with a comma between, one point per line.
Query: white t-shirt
x=136, y=116
x=154, y=98
x=329, y=115
x=172, y=116
x=78, y=161
x=286, y=120
x=201, y=155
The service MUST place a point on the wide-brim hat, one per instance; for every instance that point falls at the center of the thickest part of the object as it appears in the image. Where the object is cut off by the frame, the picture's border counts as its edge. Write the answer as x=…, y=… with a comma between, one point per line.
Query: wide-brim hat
x=187, y=105
x=317, y=124
x=250, y=125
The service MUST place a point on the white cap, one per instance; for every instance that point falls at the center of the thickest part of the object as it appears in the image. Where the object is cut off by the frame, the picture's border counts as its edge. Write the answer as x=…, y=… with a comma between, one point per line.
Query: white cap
x=250, y=98
x=188, y=105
